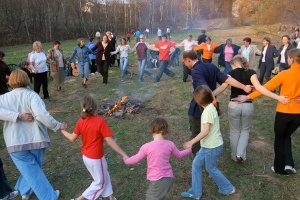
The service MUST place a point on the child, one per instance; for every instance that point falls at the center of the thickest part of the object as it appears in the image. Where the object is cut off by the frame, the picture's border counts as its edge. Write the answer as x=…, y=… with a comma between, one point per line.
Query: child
x=93, y=130
x=211, y=147
x=158, y=153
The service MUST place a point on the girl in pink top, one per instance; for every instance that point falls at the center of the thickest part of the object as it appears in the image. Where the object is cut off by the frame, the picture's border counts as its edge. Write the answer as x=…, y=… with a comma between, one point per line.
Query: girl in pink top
x=158, y=152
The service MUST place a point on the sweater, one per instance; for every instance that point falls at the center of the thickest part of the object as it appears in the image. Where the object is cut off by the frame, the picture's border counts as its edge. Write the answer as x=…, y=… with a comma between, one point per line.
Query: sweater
x=22, y=135
x=289, y=82
x=207, y=53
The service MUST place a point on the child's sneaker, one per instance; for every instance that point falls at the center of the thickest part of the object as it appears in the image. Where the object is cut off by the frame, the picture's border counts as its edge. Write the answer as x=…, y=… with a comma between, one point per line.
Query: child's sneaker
x=28, y=195
x=188, y=195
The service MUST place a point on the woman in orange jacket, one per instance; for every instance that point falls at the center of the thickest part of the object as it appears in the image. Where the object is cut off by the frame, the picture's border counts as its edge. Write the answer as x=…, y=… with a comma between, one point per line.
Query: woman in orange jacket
x=287, y=118
x=208, y=49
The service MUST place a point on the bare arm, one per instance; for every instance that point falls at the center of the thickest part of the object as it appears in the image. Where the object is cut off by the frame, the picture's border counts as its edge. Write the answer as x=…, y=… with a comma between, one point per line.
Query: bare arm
x=266, y=92
x=204, y=132
x=220, y=89
x=111, y=142
x=231, y=81
x=152, y=47
x=70, y=136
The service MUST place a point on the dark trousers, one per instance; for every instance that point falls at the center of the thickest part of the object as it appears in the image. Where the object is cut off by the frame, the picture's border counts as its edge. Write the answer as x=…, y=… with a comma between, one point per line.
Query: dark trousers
x=4, y=185
x=186, y=72
x=93, y=66
x=265, y=71
x=283, y=66
x=195, y=127
x=103, y=70
x=206, y=60
x=41, y=79
x=284, y=126
x=3, y=88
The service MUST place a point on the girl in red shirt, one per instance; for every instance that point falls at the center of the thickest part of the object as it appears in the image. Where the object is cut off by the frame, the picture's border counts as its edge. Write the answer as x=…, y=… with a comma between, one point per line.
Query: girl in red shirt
x=93, y=131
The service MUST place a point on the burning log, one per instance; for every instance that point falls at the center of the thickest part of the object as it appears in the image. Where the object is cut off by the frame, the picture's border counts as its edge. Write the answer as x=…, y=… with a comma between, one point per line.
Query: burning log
x=116, y=106
x=119, y=108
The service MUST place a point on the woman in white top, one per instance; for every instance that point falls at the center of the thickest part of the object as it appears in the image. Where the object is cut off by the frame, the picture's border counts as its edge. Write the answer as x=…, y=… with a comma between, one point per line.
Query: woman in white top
x=282, y=51
x=124, y=49
x=39, y=66
x=57, y=64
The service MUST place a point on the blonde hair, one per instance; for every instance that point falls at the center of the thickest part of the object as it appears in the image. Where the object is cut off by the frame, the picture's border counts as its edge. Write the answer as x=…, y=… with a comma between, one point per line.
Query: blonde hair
x=240, y=61
x=37, y=45
x=89, y=106
x=18, y=78
x=79, y=40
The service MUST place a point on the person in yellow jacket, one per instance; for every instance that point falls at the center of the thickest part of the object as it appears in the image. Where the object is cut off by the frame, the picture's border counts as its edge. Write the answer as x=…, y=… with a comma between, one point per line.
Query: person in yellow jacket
x=287, y=118
x=208, y=49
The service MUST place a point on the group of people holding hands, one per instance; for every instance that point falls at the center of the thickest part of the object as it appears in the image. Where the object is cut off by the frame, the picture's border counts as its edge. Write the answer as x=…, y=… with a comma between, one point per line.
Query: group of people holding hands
x=25, y=124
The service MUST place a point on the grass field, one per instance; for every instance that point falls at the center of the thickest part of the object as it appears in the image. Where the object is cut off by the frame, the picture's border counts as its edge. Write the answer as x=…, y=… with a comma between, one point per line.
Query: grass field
x=170, y=99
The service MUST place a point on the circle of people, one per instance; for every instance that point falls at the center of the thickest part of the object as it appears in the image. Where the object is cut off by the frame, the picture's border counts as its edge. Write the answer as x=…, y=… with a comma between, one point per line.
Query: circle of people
x=27, y=151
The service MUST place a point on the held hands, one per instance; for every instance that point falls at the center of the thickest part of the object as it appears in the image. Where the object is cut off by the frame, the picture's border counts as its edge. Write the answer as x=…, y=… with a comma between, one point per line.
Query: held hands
x=187, y=145
x=240, y=98
x=26, y=117
x=284, y=99
x=248, y=88
x=63, y=126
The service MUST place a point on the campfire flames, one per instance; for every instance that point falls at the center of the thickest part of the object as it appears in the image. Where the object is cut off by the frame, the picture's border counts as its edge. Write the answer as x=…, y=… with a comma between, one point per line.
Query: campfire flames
x=116, y=106
x=121, y=107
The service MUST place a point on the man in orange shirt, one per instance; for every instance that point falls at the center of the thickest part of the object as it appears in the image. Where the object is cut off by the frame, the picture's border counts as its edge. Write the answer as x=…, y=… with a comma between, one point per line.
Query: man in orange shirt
x=208, y=49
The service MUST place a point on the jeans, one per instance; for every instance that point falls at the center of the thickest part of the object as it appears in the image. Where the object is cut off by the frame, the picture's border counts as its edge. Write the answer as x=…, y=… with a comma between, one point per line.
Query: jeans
x=41, y=79
x=123, y=65
x=93, y=66
x=83, y=69
x=163, y=69
x=227, y=67
x=29, y=164
x=265, y=71
x=142, y=68
x=209, y=156
x=240, y=120
x=195, y=128
x=4, y=185
x=285, y=125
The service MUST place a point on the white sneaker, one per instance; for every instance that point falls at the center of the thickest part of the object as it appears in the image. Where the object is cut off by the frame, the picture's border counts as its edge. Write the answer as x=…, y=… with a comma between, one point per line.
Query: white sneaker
x=290, y=170
x=13, y=194
x=57, y=193
x=96, y=72
x=28, y=195
x=92, y=73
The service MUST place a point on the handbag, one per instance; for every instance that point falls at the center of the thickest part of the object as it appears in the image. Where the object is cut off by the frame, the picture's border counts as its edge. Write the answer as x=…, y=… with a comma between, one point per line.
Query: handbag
x=53, y=67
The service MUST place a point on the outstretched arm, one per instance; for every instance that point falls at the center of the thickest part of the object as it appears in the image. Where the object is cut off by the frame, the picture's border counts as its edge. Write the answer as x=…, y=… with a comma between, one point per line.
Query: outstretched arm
x=111, y=142
x=70, y=136
x=220, y=89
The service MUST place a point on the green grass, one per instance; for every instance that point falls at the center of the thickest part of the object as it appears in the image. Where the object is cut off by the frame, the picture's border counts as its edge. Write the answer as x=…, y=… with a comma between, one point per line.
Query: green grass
x=170, y=99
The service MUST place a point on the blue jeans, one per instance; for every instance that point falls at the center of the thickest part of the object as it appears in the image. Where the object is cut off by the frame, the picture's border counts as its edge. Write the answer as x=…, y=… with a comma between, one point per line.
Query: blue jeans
x=209, y=157
x=84, y=69
x=29, y=164
x=163, y=69
x=123, y=65
x=142, y=66
x=227, y=67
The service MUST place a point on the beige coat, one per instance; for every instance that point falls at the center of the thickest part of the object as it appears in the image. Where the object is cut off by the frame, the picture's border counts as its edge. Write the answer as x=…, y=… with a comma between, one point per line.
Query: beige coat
x=253, y=52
